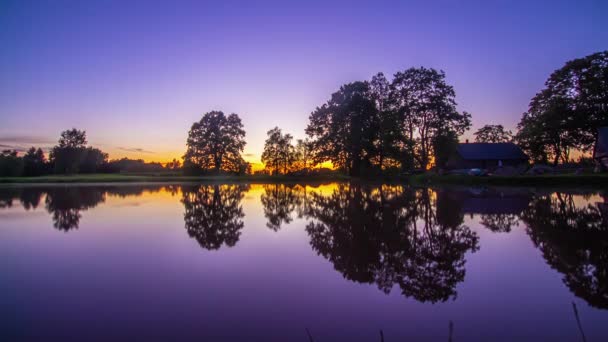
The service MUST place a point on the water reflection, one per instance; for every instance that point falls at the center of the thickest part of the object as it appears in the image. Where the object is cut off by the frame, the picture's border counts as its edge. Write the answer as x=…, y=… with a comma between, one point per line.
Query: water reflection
x=279, y=201
x=395, y=237
x=213, y=214
x=66, y=203
x=574, y=241
x=392, y=236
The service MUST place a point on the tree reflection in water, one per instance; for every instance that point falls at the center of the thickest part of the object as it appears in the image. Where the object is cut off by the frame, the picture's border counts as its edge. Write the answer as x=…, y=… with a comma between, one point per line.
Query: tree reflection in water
x=574, y=241
x=279, y=201
x=384, y=235
x=66, y=203
x=393, y=236
x=213, y=214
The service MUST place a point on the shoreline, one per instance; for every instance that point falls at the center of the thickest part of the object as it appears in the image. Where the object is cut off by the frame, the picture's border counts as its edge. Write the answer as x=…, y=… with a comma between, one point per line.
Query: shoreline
x=585, y=180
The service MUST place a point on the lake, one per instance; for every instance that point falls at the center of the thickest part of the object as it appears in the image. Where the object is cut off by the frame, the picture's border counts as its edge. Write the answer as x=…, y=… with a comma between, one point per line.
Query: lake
x=331, y=262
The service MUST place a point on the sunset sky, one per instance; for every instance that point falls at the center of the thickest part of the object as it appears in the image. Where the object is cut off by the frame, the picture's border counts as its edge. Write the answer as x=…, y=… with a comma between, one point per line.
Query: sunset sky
x=136, y=76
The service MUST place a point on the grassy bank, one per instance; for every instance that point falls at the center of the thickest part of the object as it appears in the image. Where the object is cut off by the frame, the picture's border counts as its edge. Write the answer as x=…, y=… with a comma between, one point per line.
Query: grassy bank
x=418, y=180
x=525, y=180
x=144, y=178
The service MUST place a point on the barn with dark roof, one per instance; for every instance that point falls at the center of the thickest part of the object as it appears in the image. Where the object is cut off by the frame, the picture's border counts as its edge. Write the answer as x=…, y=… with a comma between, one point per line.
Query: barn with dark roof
x=486, y=156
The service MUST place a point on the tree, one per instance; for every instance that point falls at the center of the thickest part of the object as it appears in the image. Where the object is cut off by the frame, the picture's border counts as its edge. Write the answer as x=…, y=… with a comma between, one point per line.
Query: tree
x=391, y=142
x=70, y=151
x=445, y=144
x=344, y=129
x=426, y=105
x=173, y=165
x=566, y=114
x=11, y=164
x=73, y=138
x=278, y=152
x=302, y=155
x=92, y=160
x=215, y=143
x=493, y=134
x=34, y=162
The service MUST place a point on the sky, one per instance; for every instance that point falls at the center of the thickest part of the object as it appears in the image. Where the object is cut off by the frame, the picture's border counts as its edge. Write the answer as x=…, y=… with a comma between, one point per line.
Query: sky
x=136, y=74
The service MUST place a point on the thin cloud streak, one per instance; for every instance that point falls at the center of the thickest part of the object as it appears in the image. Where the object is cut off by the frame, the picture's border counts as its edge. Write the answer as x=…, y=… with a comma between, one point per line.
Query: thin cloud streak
x=135, y=149
x=26, y=140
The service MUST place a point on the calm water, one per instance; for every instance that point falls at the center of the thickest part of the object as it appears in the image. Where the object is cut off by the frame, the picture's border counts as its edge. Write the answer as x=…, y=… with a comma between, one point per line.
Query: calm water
x=269, y=262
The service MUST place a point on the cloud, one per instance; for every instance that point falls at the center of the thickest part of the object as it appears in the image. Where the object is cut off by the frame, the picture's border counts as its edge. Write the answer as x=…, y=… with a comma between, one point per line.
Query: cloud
x=249, y=155
x=135, y=149
x=21, y=149
x=12, y=147
x=26, y=140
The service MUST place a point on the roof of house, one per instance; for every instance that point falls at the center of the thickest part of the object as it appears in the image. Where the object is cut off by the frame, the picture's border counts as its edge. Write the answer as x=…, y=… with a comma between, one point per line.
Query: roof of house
x=492, y=151
x=601, y=144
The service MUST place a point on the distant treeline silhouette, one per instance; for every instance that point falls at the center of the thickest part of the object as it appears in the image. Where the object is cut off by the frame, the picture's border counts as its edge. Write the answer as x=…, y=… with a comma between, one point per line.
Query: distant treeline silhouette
x=71, y=155
x=367, y=128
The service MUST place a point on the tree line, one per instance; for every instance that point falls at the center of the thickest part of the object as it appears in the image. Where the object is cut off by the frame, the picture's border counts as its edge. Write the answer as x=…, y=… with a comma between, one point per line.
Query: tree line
x=71, y=155
x=411, y=122
x=367, y=128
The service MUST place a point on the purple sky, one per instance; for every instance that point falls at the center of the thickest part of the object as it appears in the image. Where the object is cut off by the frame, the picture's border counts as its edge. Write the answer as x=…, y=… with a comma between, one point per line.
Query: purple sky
x=136, y=76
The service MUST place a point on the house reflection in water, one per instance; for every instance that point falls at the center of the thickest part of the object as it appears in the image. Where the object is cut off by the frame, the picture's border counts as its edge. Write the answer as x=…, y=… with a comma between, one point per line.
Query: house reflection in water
x=499, y=209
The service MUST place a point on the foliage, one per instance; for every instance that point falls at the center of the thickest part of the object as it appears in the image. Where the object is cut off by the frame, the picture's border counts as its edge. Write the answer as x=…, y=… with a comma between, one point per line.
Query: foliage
x=426, y=105
x=70, y=152
x=215, y=144
x=34, y=162
x=445, y=144
x=493, y=134
x=302, y=156
x=566, y=114
x=279, y=154
x=11, y=165
x=344, y=129
x=131, y=165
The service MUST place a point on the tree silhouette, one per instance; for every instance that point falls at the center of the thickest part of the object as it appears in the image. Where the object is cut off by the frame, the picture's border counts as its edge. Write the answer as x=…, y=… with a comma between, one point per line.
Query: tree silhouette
x=69, y=152
x=344, y=129
x=372, y=235
x=11, y=165
x=215, y=143
x=279, y=201
x=34, y=162
x=574, y=241
x=426, y=105
x=566, y=114
x=493, y=134
x=279, y=153
x=213, y=214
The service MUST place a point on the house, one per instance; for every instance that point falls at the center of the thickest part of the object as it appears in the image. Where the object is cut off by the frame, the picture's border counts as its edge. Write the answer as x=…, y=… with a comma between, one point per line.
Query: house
x=600, y=151
x=486, y=156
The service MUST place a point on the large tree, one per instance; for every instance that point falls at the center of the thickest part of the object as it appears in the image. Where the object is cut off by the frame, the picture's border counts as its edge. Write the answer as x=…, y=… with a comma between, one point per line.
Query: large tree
x=279, y=154
x=70, y=151
x=344, y=129
x=493, y=134
x=565, y=114
x=302, y=155
x=215, y=143
x=426, y=106
x=390, y=143
x=34, y=162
